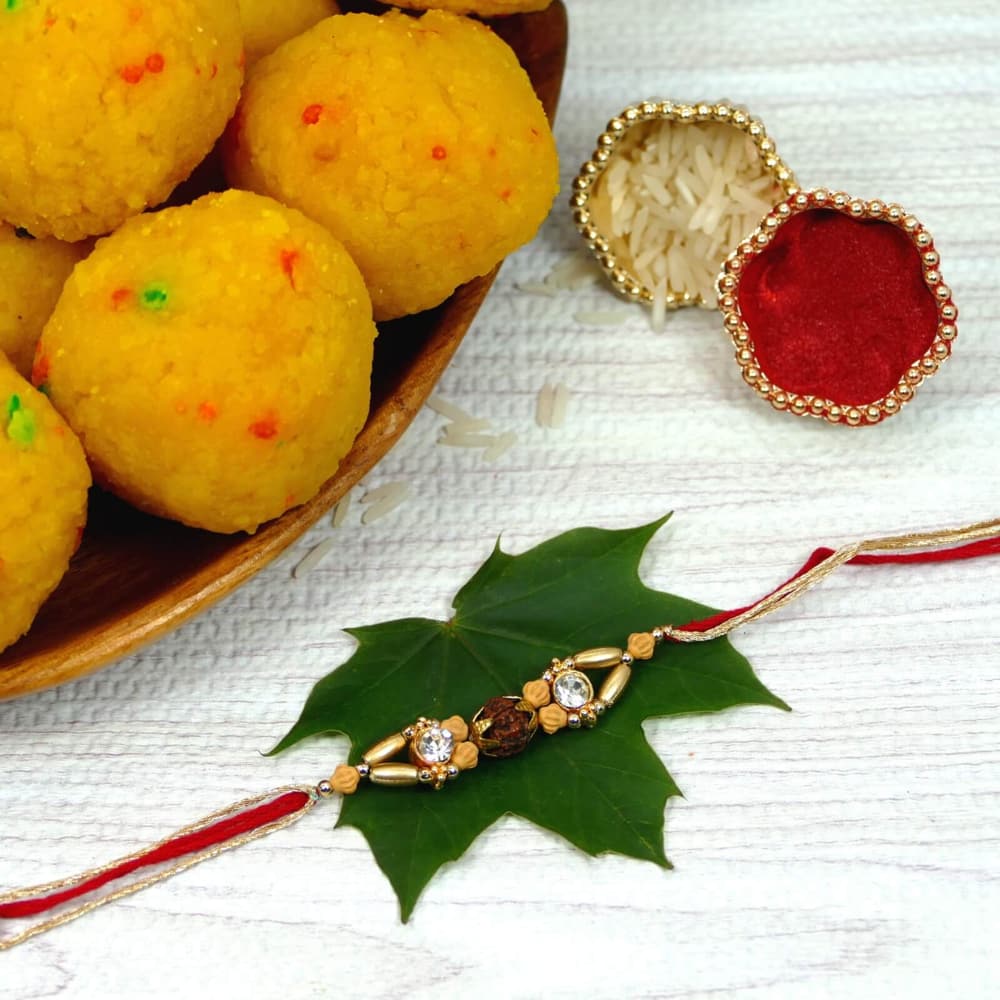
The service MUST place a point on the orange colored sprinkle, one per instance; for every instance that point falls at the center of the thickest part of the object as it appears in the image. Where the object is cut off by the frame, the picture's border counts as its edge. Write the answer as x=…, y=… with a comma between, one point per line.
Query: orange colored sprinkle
x=119, y=297
x=265, y=428
x=41, y=368
x=50, y=20
x=506, y=193
x=492, y=152
x=290, y=500
x=207, y=412
x=311, y=115
x=131, y=74
x=154, y=62
x=215, y=70
x=439, y=152
x=135, y=14
x=288, y=260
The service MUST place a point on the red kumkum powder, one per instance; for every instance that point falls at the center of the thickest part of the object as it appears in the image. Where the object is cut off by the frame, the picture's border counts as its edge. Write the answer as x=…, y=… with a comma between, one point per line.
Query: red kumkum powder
x=837, y=307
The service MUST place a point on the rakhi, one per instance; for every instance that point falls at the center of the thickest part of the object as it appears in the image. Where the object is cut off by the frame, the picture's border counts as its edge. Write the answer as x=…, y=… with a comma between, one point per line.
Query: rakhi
x=436, y=752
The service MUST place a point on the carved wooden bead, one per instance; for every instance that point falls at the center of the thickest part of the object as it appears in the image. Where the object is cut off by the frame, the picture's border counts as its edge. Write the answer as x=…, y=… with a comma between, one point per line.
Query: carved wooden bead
x=641, y=645
x=458, y=728
x=553, y=718
x=345, y=779
x=538, y=693
x=466, y=756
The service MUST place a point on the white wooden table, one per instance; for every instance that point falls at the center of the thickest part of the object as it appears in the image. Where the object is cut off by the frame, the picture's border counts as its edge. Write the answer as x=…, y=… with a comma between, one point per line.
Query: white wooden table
x=846, y=850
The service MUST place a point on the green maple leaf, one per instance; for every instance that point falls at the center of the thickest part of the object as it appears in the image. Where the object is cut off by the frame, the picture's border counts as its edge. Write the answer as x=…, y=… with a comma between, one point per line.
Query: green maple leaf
x=603, y=789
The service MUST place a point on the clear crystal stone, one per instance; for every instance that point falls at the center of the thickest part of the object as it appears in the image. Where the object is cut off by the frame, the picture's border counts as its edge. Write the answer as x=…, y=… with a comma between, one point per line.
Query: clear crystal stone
x=435, y=745
x=572, y=689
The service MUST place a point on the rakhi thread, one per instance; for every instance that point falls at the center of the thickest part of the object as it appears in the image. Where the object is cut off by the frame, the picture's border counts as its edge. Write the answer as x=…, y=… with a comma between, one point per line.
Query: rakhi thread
x=256, y=817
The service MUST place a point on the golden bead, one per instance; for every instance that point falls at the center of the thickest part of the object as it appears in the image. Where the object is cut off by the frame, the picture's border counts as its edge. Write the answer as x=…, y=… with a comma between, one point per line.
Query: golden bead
x=599, y=658
x=457, y=726
x=465, y=756
x=344, y=779
x=853, y=416
x=537, y=693
x=642, y=645
x=385, y=749
x=615, y=684
x=947, y=332
x=553, y=718
x=798, y=405
x=394, y=774
x=949, y=312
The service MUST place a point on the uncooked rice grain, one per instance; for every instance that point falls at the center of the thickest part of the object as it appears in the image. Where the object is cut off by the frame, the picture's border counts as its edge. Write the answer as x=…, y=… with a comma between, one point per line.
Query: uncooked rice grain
x=340, y=511
x=313, y=558
x=503, y=443
x=602, y=317
x=465, y=439
x=449, y=410
x=543, y=405
x=383, y=500
x=559, y=403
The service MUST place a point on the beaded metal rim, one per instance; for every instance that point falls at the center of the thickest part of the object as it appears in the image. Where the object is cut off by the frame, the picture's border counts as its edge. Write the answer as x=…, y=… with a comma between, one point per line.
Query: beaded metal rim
x=623, y=281
x=814, y=406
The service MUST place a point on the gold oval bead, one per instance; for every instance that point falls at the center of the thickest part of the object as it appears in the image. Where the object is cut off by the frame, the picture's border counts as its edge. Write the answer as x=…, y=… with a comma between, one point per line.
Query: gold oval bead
x=394, y=774
x=385, y=749
x=598, y=659
x=615, y=683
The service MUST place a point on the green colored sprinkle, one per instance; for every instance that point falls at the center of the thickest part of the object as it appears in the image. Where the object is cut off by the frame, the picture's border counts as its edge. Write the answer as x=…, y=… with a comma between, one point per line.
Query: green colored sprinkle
x=154, y=297
x=21, y=426
x=12, y=4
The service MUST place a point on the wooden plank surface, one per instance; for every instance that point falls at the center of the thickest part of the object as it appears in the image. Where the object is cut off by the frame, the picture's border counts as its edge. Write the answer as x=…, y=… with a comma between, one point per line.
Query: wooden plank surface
x=845, y=850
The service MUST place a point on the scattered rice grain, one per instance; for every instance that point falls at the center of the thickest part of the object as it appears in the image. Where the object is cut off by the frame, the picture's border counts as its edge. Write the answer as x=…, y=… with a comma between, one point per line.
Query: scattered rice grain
x=543, y=406
x=383, y=500
x=313, y=557
x=602, y=317
x=449, y=410
x=465, y=439
x=536, y=288
x=503, y=443
x=340, y=511
x=559, y=403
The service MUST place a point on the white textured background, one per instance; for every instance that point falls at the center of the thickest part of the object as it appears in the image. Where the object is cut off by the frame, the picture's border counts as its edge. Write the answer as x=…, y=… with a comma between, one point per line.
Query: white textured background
x=846, y=850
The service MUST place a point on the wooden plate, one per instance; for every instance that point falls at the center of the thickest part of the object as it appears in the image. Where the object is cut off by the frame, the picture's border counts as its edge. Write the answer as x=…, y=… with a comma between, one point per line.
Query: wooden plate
x=136, y=577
